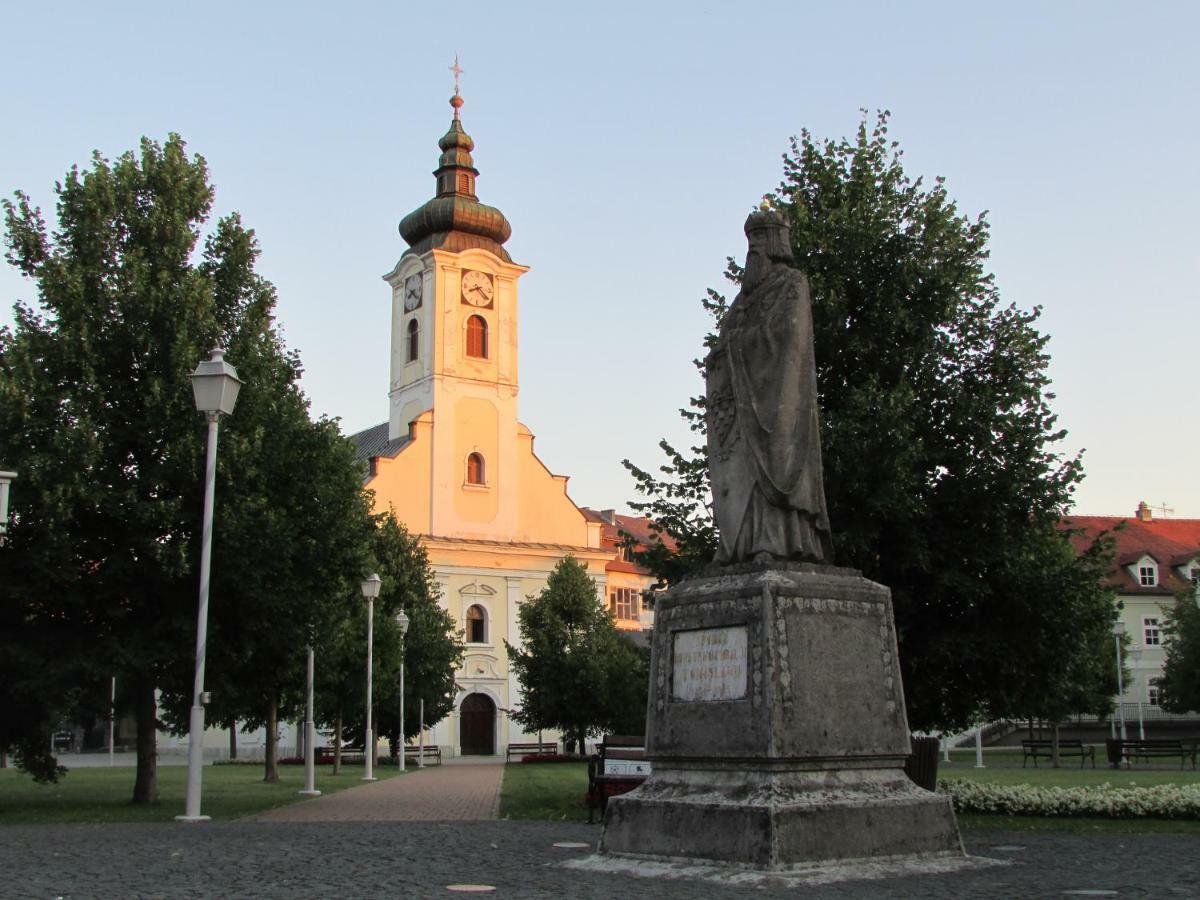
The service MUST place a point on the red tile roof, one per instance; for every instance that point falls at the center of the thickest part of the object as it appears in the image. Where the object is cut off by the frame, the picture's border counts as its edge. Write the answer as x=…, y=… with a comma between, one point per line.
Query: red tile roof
x=1170, y=542
x=613, y=528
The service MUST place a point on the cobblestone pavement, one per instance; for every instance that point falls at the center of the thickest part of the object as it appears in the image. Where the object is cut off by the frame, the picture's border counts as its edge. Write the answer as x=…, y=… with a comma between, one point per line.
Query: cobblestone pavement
x=435, y=793
x=410, y=859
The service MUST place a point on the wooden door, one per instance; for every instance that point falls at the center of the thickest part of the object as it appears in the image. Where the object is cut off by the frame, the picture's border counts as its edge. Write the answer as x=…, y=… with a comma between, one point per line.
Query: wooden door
x=477, y=725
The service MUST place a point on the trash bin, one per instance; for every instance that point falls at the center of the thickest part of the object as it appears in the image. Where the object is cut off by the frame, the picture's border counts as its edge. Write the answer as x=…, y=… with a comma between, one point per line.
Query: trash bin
x=922, y=763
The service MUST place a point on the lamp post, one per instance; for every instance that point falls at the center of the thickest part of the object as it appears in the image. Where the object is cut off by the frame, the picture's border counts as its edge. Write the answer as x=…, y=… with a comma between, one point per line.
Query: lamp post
x=310, y=737
x=5, y=480
x=1136, y=656
x=402, y=624
x=1118, y=636
x=370, y=590
x=215, y=386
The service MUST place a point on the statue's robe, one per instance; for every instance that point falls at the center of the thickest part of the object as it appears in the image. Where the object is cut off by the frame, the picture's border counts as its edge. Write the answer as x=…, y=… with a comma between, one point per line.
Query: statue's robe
x=764, y=444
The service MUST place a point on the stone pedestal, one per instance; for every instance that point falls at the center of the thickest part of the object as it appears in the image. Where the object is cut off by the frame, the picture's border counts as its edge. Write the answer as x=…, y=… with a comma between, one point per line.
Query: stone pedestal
x=776, y=728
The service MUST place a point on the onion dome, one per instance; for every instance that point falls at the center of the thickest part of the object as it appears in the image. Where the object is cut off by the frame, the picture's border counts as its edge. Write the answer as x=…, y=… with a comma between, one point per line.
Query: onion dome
x=454, y=219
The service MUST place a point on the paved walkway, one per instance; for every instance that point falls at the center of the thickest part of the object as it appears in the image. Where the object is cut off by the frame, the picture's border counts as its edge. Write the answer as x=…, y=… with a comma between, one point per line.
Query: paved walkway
x=420, y=859
x=447, y=793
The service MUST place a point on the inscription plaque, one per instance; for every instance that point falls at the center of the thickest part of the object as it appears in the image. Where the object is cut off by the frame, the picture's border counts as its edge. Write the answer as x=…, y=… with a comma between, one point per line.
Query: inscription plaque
x=709, y=664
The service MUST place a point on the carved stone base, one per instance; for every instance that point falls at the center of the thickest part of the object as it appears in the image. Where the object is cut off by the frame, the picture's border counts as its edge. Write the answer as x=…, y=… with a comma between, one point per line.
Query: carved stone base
x=776, y=728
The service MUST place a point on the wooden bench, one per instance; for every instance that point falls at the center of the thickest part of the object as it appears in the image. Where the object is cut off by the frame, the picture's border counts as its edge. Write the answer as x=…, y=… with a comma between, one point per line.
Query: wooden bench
x=530, y=748
x=350, y=756
x=1144, y=751
x=423, y=755
x=618, y=766
x=1044, y=749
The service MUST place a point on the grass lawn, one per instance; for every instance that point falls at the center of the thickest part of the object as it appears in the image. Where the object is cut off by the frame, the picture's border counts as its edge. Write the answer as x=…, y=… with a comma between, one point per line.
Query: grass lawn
x=544, y=791
x=96, y=795
x=1005, y=768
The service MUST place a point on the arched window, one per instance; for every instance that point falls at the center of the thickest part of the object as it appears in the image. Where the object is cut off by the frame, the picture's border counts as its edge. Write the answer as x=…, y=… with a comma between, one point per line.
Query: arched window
x=477, y=337
x=414, y=334
x=475, y=472
x=476, y=625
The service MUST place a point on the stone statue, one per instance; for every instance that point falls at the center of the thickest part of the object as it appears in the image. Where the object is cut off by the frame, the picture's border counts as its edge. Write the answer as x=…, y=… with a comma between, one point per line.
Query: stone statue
x=764, y=443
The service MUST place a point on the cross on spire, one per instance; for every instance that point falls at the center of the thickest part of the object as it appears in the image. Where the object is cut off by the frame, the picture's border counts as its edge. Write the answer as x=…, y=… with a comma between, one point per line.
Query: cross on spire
x=457, y=70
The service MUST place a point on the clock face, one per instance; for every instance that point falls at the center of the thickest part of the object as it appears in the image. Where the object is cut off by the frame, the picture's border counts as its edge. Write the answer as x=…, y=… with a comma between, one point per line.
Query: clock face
x=412, y=292
x=477, y=288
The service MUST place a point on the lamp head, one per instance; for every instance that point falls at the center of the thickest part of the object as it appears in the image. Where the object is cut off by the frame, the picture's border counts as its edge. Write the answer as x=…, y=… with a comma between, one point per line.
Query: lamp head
x=370, y=587
x=402, y=621
x=215, y=385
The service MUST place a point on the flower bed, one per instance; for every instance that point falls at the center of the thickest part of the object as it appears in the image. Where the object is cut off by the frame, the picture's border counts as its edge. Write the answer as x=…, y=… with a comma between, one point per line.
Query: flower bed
x=1163, y=801
x=550, y=757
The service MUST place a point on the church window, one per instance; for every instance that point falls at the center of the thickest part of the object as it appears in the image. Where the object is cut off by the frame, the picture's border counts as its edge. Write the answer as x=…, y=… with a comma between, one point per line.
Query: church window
x=477, y=337
x=475, y=470
x=476, y=625
x=414, y=336
x=623, y=603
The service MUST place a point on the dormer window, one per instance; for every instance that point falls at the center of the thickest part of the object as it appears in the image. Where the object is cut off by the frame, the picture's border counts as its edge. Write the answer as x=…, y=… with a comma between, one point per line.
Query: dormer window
x=1147, y=574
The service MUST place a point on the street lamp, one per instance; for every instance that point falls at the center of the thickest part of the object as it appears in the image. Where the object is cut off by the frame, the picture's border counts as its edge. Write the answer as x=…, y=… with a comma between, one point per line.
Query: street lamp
x=1118, y=636
x=215, y=386
x=5, y=480
x=370, y=590
x=402, y=624
x=1136, y=657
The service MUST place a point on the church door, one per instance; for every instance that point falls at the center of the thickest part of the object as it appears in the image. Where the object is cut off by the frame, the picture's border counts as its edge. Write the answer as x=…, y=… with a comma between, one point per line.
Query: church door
x=477, y=725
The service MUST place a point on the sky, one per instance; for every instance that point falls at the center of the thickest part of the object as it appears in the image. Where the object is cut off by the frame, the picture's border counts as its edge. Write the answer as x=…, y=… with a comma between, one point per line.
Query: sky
x=626, y=142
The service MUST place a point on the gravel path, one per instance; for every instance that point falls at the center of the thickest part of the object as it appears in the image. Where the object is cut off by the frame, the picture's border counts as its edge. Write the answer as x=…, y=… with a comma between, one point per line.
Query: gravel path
x=411, y=859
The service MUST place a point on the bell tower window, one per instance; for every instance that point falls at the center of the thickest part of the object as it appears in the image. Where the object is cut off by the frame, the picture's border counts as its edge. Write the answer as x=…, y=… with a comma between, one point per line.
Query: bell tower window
x=414, y=335
x=475, y=469
x=477, y=337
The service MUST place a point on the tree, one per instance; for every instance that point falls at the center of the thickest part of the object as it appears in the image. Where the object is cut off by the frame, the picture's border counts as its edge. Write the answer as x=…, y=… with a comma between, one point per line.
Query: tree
x=99, y=416
x=1180, y=682
x=431, y=651
x=576, y=673
x=1077, y=620
x=936, y=429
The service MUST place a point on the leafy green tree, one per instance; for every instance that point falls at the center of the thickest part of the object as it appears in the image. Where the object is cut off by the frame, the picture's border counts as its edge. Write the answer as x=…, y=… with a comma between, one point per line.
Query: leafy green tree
x=937, y=435
x=98, y=415
x=1180, y=683
x=1076, y=619
x=576, y=673
x=431, y=651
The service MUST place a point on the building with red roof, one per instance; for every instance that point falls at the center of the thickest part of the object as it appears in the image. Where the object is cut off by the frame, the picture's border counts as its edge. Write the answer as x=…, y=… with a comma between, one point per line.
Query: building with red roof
x=1155, y=561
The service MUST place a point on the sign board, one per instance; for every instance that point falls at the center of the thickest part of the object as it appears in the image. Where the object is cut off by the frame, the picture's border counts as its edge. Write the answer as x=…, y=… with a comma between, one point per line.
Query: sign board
x=639, y=767
x=709, y=664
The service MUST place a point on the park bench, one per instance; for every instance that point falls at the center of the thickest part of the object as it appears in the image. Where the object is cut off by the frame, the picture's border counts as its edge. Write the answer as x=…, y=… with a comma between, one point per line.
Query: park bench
x=530, y=748
x=423, y=755
x=350, y=756
x=618, y=766
x=1144, y=751
x=1044, y=749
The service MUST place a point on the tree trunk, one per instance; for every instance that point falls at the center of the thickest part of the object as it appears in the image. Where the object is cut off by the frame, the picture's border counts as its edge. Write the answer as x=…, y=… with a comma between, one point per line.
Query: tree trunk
x=1054, y=746
x=233, y=740
x=271, y=773
x=145, y=785
x=1031, y=729
x=337, y=743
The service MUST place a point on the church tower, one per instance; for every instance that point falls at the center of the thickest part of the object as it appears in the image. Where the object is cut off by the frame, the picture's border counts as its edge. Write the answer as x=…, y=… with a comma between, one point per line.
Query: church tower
x=454, y=347
x=456, y=466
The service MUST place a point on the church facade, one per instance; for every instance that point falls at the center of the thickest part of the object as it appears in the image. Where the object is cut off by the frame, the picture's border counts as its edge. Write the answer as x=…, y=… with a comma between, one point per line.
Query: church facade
x=456, y=465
